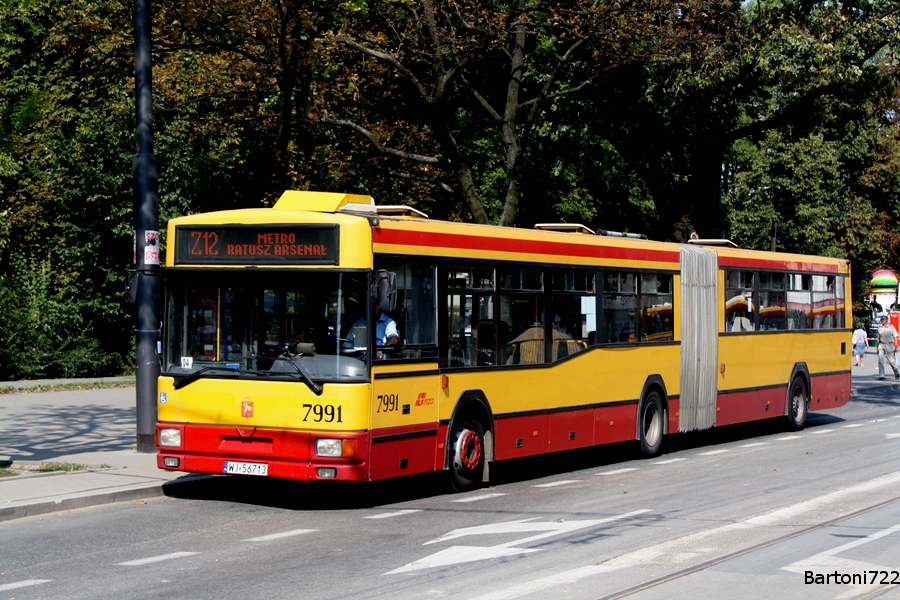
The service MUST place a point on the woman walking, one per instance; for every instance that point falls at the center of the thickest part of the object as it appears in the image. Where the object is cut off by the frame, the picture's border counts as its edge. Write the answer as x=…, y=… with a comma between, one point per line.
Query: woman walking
x=859, y=345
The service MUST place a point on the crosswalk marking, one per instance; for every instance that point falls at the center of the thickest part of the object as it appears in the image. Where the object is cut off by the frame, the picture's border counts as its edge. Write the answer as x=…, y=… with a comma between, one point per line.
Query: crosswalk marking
x=397, y=513
x=556, y=483
x=618, y=471
x=788, y=437
x=711, y=453
x=21, y=584
x=822, y=431
x=669, y=461
x=755, y=444
x=477, y=498
x=852, y=425
x=155, y=559
x=278, y=536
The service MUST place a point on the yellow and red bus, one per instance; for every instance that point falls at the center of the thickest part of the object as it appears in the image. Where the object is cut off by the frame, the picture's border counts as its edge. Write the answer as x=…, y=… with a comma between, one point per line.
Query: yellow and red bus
x=512, y=342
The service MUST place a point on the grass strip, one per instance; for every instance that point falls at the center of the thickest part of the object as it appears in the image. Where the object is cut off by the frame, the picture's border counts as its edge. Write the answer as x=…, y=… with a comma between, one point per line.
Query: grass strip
x=66, y=386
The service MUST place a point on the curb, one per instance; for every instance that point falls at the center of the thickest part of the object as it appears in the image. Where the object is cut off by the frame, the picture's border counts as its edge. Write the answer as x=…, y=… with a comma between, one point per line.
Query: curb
x=138, y=492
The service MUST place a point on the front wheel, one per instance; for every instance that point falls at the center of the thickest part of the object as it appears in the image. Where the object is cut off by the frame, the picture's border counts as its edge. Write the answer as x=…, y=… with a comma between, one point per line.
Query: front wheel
x=651, y=425
x=467, y=459
x=797, y=407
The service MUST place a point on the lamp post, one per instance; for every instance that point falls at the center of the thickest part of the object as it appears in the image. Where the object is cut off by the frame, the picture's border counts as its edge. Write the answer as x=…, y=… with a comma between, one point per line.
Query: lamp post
x=145, y=282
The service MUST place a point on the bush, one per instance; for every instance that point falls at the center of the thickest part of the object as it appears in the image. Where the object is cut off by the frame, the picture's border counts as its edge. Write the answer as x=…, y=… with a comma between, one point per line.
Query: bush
x=42, y=332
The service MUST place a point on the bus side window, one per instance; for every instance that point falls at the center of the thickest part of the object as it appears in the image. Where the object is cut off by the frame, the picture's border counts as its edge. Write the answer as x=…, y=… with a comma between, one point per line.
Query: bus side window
x=740, y=313
x=574, y=309
x=416, y=309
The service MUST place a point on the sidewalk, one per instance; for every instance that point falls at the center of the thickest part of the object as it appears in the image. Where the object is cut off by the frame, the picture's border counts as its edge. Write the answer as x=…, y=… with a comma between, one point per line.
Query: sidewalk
x=96, y=428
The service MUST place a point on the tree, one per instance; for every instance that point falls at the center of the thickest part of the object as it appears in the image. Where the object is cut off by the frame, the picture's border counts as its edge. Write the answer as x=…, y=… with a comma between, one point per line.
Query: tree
x=501, y=65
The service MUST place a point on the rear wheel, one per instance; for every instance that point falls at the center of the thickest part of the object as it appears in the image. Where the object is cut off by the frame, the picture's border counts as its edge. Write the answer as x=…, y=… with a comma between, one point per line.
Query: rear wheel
x=798, y=406
x=651, y=425
x=467, y=455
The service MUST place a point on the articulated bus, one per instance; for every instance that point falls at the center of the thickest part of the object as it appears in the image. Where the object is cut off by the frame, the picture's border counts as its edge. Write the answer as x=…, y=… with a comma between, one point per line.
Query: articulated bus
x=512, y=342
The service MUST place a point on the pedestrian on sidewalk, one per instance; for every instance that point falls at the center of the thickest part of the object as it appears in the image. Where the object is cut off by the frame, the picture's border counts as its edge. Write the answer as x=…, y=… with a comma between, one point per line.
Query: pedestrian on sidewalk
x=886, y=336
x=860, y=339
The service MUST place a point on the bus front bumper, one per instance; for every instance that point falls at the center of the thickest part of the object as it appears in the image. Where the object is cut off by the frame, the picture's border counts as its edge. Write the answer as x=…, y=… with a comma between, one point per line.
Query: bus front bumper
x=253, y=451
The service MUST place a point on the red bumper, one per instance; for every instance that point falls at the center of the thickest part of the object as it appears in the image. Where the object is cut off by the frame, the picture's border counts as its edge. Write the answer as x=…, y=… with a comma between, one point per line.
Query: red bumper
x=288, y=454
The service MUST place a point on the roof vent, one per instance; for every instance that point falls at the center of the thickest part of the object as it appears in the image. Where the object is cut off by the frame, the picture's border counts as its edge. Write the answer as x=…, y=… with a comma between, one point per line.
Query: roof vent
x=712, y=242
x=631, y=236
x=400, y=211
x=565, y=227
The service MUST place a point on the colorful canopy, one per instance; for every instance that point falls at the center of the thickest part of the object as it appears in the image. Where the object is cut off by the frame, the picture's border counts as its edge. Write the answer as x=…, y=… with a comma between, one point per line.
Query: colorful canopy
x=884, y=280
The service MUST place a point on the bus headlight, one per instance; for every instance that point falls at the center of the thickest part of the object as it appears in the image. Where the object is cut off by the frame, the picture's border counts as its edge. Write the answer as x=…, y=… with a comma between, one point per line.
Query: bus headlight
x=345, y=448
x=326, y=447
x=170, y=438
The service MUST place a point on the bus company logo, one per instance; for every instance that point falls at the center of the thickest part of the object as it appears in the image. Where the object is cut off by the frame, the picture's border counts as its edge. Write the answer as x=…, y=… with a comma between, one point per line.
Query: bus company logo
x=423, y=401
x=247, y=408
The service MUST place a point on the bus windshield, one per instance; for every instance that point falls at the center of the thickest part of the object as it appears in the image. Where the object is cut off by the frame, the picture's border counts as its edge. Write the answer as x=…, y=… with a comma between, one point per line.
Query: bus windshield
x=264, y=321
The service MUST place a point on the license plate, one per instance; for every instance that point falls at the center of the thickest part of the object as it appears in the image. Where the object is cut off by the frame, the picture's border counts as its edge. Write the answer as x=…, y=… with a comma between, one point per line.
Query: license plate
x=242, y=468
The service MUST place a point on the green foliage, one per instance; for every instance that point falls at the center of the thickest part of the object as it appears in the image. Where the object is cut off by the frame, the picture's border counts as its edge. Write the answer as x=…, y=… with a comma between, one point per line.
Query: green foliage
x=44, y=334
x=630, y=131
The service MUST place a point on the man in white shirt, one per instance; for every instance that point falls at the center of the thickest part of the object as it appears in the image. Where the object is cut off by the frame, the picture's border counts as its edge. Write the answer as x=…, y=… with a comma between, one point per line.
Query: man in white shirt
x=886, y=336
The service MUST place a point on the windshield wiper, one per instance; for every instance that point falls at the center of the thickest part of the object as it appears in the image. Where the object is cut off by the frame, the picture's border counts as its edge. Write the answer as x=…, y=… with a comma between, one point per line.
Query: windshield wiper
x=191, y=378
x=301, y=370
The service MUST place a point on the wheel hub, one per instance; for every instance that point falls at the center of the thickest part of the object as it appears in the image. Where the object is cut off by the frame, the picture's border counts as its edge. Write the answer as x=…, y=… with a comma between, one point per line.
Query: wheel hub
x=467, y=450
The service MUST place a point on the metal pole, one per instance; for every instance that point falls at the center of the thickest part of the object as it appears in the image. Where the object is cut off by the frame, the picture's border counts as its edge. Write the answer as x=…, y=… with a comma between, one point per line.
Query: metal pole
x=146, y=237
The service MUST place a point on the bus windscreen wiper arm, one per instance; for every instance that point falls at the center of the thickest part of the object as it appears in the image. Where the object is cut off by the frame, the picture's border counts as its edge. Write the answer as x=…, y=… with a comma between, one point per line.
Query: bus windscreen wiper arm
x=192, y=377
x=304, y=374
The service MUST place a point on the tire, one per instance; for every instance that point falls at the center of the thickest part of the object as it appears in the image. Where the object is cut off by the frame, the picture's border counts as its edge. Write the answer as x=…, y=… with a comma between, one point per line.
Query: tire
x=467, y=455
x=651, y=425
x=798, y=405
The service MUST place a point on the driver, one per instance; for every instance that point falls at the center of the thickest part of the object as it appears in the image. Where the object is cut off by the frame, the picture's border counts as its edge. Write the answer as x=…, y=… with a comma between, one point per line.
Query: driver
x=385, y=329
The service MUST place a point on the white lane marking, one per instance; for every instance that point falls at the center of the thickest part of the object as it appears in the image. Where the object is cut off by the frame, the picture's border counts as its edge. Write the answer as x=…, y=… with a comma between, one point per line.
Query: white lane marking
x=828, y=561
x=669, y=461
x=21, y=584
x=618, y=471
x=695, y=545
x=464, y=554
x=787, y=437
x=755, y=444
x=477, y=498
x=397, y=513
x=852, y=425
x=556, y=483
x=278, y=536
x=523, y=589
x=722, y=451
x=891, y=436
x=155, y=559
x=821, y=431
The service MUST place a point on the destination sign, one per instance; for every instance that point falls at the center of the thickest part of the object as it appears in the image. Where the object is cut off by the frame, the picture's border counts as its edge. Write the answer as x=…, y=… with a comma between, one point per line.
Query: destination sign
x=256, y=244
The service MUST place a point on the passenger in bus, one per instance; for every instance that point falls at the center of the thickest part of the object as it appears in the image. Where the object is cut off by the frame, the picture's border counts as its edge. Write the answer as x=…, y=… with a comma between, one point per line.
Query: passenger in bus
x=886, y=336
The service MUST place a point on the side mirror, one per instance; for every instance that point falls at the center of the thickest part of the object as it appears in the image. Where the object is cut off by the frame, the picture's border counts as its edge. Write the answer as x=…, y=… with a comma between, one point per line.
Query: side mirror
x=384, y=290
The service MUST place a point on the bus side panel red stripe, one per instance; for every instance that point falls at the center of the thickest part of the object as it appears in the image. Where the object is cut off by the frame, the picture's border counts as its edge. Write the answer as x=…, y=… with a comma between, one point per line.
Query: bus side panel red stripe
x=752, y=405
x=829, y=391
x=531, y=429
x=615, y=423
x=780, y=264
x=472, y=242
x=417, y=453
x=571, y=429
x=674, y=406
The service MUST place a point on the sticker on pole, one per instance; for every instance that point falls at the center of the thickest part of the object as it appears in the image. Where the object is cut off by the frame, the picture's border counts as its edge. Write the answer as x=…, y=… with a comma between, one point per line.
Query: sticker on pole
x=151, y=247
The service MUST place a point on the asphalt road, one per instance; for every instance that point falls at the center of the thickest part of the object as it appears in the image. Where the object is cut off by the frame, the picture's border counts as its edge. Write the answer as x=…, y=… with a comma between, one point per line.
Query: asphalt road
x=738, y=512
